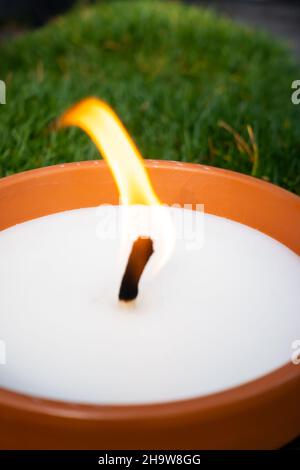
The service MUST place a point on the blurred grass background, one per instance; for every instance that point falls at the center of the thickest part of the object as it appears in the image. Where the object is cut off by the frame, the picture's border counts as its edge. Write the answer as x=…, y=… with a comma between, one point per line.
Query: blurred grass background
x=188, y=85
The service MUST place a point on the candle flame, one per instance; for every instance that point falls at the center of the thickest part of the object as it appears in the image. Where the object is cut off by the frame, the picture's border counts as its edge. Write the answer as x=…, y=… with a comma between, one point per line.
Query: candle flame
x=113, y=141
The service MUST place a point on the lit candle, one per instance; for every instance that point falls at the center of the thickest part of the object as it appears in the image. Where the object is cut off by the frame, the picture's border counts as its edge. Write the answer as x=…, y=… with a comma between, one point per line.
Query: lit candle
x=216, y=302
x=210, y=319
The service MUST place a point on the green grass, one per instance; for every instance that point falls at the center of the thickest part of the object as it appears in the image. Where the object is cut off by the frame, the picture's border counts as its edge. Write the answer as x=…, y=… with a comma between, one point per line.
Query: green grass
x=188, y=85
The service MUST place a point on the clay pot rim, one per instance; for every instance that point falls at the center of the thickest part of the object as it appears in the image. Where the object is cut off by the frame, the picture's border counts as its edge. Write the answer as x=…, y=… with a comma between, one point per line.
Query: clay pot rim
x=213, y=404
x=151, y=163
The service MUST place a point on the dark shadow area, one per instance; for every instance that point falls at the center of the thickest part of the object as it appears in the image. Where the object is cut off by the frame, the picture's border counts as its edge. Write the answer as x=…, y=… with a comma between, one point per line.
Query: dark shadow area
x=280, y=17
x=33, y=12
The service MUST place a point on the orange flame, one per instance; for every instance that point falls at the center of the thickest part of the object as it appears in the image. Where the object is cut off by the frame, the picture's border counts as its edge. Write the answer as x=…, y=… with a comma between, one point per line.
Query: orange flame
x=104, y=127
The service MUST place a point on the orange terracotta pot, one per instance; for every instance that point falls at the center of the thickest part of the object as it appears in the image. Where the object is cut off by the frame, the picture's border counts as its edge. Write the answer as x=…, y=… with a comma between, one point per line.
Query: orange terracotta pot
x=263, y=413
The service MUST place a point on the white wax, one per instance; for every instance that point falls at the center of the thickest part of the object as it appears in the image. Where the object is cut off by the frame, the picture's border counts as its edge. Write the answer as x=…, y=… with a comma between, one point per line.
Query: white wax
x=211, y=319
